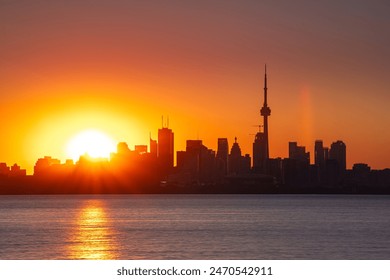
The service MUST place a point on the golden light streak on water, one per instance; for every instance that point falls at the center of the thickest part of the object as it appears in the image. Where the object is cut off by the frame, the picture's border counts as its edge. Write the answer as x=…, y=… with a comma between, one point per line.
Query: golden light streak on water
x=93, y=238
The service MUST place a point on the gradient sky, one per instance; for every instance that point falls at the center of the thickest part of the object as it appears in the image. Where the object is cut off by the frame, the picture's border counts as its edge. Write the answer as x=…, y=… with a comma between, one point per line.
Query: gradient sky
x=118, y=66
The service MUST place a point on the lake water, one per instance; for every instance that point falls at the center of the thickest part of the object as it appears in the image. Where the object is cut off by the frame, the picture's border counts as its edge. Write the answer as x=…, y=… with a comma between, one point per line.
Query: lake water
x=195, y=227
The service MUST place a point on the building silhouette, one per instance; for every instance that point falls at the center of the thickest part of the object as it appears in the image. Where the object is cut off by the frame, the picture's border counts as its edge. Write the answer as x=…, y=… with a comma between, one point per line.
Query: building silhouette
x=196, y=165
x=16, y=171
x=122, y=157
x=235, y=158
x=338, y=153
x=222, y=158
x=319, y=153
x=321, y=156
x=261, y=144
x=122, y=149
x=296, y=168
x=298, y=152
x=141, y=149
x=336, y=164
x=238, y=164
x=165, y=149
x=43, y=164
x=259, y=153
x=153, y=147
x=4, y=170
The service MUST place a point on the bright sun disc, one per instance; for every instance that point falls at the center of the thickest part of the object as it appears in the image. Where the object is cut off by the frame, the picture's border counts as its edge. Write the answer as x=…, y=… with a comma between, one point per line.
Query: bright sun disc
x=92, y=142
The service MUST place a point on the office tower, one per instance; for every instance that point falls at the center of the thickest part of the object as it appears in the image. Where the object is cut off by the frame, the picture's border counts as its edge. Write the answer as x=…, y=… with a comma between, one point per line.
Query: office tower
x=259, y=153
x=319, y=153
x=338, y=153
x=4, y=170
x=141, y=149
x=43, y=164
x=296, y=169
x=188, y=161
x=320, y=158
x=165, y=149
x=261, y=144
x=193, y=145
x=298, y=152
x=235, y=158
x=153, y=147
x=222, y=155
x=197, y=162
x=245, y=164
x=326, y=154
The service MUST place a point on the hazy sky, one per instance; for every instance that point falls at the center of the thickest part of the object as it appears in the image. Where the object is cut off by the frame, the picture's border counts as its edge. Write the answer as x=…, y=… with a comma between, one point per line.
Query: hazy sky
x=117, y=66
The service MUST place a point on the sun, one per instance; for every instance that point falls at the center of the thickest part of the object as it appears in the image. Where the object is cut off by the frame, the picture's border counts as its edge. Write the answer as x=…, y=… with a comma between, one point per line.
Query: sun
x=92, y=142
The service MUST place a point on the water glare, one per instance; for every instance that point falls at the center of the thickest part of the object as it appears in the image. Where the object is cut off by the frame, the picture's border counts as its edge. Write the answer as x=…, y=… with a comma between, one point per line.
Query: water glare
x=93, y=238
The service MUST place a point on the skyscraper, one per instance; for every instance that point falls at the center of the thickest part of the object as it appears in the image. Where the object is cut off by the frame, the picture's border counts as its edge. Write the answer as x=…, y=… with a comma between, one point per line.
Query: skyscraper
x=298, y=153
x=338, y=152
x=260, y=145
x=153, y=147
x=235, y=158
x=319, y=153
x=320, y=158
x=222, y=155
x=259, y=150
x=165, y=148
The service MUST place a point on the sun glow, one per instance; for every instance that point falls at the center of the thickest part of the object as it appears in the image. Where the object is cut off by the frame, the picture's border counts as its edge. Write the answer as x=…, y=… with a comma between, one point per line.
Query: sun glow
x=92, y=142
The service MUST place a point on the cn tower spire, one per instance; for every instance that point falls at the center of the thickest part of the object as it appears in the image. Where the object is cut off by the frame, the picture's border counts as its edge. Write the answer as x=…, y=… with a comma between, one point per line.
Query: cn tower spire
x=265, y=85
x=265, y=112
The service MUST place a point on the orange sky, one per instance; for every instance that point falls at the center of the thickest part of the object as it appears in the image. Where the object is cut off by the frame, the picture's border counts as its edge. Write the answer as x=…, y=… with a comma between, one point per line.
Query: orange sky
x=118, y=66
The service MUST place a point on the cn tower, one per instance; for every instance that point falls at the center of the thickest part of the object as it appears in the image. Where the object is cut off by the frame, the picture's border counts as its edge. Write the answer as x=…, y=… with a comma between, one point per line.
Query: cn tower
x=265, y=111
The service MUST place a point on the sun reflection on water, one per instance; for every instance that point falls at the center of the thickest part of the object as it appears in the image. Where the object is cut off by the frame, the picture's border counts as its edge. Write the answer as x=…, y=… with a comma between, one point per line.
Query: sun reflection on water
x=93, y=238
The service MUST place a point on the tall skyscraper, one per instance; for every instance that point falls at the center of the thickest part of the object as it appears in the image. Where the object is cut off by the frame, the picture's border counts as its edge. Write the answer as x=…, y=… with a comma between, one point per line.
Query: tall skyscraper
x=197, y=163
x=298, y=152
x=153, y=147
x=319, y=153
x=259, y=150
x=320, y=158
x=261, y=144
x=235, y=158
x=223, y=154
x=338, y=152
x=165, y=148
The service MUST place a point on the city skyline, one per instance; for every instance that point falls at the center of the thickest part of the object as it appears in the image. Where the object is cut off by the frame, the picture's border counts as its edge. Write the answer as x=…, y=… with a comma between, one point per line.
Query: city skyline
x=93, y=146
x=163, y=147
x=118, y=67
x=198, y=169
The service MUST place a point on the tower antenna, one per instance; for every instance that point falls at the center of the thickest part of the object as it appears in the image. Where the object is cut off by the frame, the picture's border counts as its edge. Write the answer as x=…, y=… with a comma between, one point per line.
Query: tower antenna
x=265, y=112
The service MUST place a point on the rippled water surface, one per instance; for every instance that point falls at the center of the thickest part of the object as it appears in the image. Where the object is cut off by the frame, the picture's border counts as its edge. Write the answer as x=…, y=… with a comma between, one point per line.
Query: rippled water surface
x=195, y=227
